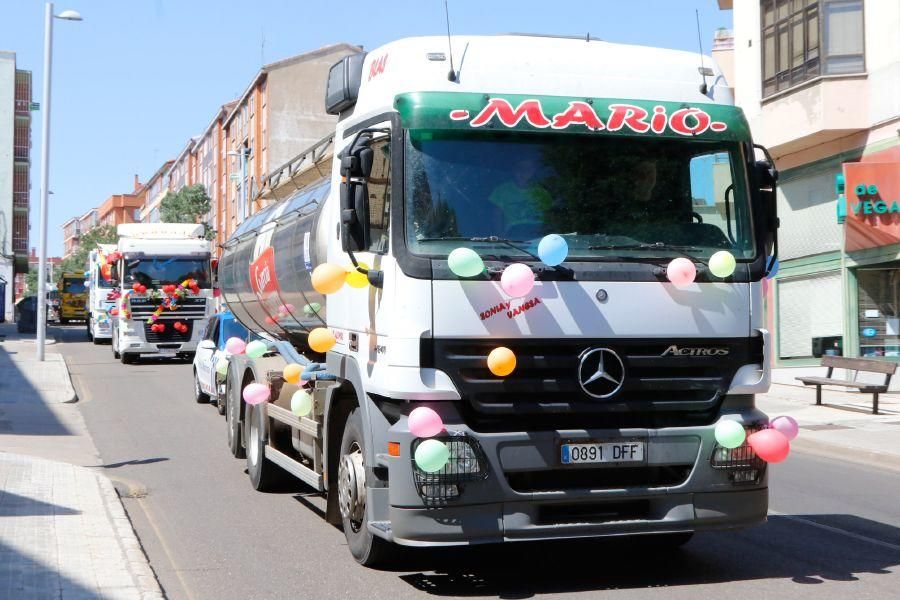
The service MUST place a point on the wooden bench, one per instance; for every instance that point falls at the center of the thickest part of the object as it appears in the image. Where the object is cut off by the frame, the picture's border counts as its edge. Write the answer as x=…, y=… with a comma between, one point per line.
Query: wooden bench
x=856, y=365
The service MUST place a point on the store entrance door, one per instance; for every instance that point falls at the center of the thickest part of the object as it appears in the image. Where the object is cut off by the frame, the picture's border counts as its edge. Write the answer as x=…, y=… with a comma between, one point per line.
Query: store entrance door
x=879, y=311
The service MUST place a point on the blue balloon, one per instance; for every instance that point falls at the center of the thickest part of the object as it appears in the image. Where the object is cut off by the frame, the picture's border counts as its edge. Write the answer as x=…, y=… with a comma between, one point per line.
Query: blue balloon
x=553, y=249
x=772, y=263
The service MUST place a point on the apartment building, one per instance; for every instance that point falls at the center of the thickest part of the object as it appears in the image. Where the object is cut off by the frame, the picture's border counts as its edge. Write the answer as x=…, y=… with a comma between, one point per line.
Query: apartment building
x=121, y=208
x=153, y=192
x=819, y=81
x=75, y=227
x=209, y=165
x=279, y=115
x=15, y=176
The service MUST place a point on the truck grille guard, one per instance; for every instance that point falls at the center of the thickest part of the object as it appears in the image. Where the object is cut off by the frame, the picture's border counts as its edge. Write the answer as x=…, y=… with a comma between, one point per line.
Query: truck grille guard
x=543, y=393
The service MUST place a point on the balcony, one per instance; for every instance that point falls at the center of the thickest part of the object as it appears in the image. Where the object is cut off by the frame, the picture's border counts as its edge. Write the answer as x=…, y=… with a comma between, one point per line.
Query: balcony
x=814, y=113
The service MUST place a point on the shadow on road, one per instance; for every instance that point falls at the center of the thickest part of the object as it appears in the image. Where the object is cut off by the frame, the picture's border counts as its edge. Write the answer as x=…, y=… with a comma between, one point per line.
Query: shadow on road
x=783, y=548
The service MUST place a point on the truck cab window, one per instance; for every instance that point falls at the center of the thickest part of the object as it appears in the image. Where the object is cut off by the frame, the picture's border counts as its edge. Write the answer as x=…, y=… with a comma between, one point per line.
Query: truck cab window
x=380, y=196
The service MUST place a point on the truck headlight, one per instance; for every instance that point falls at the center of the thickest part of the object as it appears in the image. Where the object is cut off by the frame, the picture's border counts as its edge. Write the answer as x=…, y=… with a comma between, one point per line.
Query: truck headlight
x=466, y=463
x=741, y=463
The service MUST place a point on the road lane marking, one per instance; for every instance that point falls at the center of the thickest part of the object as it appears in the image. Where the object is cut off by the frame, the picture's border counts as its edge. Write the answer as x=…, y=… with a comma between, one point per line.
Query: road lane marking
x=837, y=530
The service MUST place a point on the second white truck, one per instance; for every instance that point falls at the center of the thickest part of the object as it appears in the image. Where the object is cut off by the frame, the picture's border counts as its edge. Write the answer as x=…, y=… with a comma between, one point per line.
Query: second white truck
x=166, y=290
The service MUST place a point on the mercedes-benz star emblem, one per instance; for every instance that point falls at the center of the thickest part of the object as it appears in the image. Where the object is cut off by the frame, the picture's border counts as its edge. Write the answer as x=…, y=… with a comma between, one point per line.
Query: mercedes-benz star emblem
x=601, y=372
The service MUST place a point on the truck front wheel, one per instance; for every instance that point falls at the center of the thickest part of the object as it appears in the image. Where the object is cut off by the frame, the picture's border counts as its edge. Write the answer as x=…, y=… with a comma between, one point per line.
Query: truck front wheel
x=366, y=548
x=264, y=474
x=233, y=421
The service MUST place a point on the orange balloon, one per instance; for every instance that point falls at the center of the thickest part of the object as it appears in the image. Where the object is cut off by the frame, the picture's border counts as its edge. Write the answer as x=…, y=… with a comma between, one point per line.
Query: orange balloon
x=501, y=361
x=328, y=278
x=292, y=373
x=321, y=339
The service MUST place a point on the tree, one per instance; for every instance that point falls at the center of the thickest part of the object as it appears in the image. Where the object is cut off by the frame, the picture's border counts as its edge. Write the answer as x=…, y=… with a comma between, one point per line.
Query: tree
x=187, y=205
x=77, y=262
x=31, y=281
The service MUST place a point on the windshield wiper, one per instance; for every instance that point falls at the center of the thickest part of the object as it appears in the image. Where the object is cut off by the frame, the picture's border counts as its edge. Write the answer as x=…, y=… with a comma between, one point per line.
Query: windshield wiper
x=498, y=240
x=683, y=250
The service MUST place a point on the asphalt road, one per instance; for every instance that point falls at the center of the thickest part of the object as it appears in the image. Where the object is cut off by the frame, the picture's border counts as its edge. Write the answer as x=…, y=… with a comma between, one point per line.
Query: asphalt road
x=833, y=532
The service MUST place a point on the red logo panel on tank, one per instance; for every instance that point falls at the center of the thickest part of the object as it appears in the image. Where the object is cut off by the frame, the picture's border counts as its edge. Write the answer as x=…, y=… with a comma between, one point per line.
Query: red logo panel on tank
x=264, y=282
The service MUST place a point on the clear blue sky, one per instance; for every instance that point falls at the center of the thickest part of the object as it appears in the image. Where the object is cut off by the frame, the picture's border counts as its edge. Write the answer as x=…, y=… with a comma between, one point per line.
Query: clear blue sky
x=136, y=79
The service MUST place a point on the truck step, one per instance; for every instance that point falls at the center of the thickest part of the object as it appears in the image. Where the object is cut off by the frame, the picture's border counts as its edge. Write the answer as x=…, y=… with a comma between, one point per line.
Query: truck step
x=304, y=474
x=288, y=418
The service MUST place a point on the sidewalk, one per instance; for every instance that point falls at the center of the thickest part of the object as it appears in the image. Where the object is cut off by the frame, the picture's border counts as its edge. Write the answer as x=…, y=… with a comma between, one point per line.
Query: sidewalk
x=63, y=531
x=843, y=426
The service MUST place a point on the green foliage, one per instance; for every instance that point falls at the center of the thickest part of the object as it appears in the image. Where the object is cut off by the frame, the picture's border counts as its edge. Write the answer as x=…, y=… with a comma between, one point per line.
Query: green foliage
x=31, y=281
x=78, y=261
x=187, y=205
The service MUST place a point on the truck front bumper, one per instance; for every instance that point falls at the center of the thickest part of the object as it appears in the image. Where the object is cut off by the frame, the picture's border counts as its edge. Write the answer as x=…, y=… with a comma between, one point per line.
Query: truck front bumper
x=133, y=344
x=528, y=494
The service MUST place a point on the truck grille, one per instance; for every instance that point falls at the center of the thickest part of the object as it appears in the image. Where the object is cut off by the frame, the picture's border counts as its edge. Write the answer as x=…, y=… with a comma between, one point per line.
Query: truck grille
x=170, y=334
x=188, y=308
x=544, y=393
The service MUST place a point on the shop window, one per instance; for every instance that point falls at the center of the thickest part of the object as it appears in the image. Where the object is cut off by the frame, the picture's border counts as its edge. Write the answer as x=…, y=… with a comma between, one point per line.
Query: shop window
x=879, y=312
x=810, y=315
x=802, y=39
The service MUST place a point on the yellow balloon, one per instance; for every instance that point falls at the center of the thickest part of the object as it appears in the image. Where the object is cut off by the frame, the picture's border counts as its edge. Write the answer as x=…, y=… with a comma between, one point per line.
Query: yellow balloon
x=321, y=339
x=328, y=278
x=292, y=372
x=501, y=361
x=357, y=279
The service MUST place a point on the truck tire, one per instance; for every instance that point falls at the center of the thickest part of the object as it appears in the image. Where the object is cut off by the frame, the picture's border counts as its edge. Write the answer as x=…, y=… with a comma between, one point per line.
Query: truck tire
x=265, y=476
x=233, y=423
x=128, y=358
x=199, y=396
x=63, y=321
x=90, y=331
x=368, y=549
x=113, y=343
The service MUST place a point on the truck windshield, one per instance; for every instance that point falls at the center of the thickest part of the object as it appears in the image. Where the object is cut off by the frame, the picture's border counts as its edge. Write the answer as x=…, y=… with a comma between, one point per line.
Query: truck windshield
x=102, y=282
x=612, y=198
x=162, y=271
x=73, y=286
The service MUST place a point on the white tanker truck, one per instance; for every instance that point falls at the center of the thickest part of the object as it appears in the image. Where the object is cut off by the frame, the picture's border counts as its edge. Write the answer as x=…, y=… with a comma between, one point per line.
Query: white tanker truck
x=605, y=426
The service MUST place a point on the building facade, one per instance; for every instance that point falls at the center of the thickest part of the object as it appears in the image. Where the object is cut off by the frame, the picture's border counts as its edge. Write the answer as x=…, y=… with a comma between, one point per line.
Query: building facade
x=819, y=81
x=281, y=113
x=15, y=177
x=153, y=192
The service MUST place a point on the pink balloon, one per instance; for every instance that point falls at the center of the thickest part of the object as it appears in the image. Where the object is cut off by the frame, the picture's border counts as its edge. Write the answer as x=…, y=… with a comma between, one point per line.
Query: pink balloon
x=681, y=271
x=235, y=345
x=286, y=308
x=770, y=445
x=424, y=422
x=517, y=280
x=786, y=425
x=256, y=393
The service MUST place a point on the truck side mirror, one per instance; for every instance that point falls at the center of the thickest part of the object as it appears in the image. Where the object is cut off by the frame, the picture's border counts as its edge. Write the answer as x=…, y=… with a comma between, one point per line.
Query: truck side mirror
x=766, y=178
x=355, y=233
x=356, y=166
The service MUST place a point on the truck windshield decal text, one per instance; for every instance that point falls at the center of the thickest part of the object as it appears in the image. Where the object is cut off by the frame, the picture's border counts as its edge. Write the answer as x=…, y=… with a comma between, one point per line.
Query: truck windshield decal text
x=687, y=121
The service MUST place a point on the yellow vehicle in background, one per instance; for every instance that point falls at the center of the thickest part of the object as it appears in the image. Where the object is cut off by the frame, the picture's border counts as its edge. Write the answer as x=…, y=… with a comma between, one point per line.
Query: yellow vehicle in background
x=73, y=298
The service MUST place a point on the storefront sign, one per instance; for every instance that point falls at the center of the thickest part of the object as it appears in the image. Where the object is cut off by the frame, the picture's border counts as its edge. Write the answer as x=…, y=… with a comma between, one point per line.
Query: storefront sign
x=872, y=207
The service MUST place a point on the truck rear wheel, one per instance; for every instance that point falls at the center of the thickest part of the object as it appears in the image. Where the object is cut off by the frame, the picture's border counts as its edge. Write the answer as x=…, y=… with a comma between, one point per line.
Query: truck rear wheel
x=365, y=547
x=264, y=475
x=90, y=331
x=128, y=358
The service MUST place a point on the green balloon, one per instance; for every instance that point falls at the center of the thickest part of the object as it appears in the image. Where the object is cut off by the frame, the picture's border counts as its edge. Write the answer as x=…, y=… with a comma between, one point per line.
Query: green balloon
x=722, y=264
x=301, y=403
x=465, y=262
x=432, y=456
x=255, y=349
x=730, y=434
x=222, y=366
x=311, y=309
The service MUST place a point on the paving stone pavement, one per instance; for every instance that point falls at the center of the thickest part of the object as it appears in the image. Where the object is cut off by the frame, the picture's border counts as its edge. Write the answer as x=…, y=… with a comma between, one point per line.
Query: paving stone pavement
x=64, y=535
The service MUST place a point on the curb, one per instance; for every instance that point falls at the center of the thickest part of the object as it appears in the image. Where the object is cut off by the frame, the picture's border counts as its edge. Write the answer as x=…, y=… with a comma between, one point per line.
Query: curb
x=72, y=395
x=845, y=453
x=138, y=563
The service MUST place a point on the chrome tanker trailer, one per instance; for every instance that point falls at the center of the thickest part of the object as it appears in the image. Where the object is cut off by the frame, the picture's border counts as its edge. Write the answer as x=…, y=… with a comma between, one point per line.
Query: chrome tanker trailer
x=522, y=298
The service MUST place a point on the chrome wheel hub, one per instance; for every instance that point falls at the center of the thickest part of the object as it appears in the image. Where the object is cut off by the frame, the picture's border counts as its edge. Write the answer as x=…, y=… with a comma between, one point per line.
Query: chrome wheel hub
x=352, y=487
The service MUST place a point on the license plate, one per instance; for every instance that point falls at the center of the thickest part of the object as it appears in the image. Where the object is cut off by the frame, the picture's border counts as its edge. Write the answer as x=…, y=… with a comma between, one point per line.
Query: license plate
x=601, y=452
x=168, y=350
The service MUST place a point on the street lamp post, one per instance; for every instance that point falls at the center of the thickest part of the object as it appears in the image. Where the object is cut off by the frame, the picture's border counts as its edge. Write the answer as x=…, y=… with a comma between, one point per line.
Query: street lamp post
x=67, y=15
